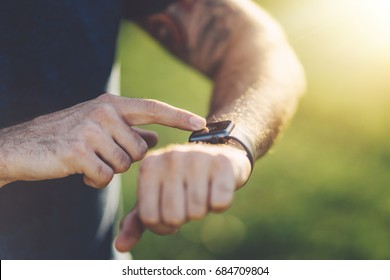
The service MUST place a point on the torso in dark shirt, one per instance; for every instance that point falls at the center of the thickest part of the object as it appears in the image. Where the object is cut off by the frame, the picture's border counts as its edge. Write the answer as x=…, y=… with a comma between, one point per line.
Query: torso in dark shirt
x=55, y=54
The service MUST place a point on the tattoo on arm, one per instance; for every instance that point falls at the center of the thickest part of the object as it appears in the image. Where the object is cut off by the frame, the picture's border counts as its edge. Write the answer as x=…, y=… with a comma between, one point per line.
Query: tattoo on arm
x=168, y=32
x=200, y=39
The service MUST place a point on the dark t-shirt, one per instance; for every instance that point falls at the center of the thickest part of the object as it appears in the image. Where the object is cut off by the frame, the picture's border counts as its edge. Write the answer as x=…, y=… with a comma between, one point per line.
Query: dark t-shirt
x=55, y=54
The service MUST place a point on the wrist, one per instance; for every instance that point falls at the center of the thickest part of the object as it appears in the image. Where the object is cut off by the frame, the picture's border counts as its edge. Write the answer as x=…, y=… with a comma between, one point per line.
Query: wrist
x=243, y=143
x=237, y=147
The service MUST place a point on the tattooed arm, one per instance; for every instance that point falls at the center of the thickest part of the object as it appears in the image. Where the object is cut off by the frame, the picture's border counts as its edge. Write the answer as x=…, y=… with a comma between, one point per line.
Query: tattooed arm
x=257, y=80
x=256, y=75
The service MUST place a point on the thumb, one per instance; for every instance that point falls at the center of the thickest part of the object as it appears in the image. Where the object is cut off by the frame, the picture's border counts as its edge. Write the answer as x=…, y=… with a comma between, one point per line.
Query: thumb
x=131, y=231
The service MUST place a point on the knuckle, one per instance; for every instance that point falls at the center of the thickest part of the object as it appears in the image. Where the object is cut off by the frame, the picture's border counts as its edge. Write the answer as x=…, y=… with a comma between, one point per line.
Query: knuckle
x=105, y=97
x=220, y=206
x=173, y=220
x=147, y=164
x=91, y=129
x=222, y=163
x=174, y=159
x=140, y=149
x=225, y=188
x=198, y=199
x=199, y=162
x=222, y=199
x=197, y=203
x=78, y=149
x=152, y=106
x=104, y=175
x=164, y=230
x=179, y=116
x=88, y=182
x=196, y=212
x=222, y=160
x=123, y=161
x=103, y=111
x=148, y=220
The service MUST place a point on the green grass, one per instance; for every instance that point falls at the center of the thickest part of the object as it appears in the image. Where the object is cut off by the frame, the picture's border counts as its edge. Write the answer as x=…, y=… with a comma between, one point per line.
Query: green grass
x=323, y=191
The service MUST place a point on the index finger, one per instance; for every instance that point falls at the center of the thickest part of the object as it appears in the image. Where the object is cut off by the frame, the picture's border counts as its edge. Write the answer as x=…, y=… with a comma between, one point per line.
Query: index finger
x=137, y=111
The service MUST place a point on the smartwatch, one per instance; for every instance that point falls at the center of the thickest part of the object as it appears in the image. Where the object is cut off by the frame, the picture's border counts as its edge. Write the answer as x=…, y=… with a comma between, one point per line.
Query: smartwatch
x=221, y=133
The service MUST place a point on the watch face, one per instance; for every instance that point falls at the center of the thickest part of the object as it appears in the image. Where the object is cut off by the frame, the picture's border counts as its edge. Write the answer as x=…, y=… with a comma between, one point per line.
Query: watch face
x=213, y=133
x=219, y=126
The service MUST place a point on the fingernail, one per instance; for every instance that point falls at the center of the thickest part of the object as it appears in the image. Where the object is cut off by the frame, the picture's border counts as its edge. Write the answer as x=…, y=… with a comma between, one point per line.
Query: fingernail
x=197, y=122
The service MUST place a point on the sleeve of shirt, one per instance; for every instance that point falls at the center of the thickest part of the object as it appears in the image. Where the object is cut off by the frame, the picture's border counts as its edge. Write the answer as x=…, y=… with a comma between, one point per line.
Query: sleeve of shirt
x=139, y=8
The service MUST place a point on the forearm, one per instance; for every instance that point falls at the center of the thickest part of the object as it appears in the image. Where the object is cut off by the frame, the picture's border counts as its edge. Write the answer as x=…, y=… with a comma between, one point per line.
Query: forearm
x=3, y=168
x=257, y=78
x=6, y=148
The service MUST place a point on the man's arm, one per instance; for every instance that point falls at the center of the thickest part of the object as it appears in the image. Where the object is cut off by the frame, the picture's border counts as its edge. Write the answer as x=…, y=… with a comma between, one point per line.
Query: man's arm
x=256, y=75
x=94, y=138
x=257, y=81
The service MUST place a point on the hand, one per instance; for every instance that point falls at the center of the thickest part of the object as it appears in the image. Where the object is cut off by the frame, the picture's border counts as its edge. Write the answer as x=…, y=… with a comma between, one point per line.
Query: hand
x=95, y=138
x=182, y=183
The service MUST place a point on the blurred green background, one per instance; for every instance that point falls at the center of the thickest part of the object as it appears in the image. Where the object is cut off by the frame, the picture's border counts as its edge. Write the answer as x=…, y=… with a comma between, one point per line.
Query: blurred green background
x=323, y=191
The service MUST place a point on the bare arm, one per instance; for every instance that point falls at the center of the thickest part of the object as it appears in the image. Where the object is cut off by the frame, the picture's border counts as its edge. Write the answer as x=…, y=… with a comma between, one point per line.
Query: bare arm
x=257, y=78
x=257, y=81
